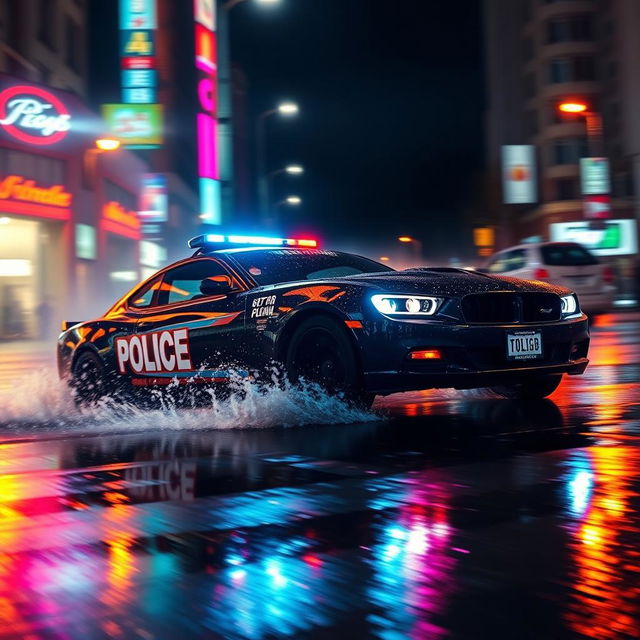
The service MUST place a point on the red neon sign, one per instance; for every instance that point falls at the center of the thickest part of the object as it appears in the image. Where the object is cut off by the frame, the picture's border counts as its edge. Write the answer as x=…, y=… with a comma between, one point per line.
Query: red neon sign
x=20, y=188
x=33, y=115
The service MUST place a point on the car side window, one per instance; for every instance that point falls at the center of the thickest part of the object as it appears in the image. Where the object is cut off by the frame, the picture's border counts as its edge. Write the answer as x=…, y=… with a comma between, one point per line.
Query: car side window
x=183, y=283
x=498, y=264
x=143, y=298
x=509, y=261
x=517, y=259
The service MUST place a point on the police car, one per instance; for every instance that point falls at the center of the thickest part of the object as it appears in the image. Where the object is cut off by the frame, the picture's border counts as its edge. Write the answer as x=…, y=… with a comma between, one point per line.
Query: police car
x=239, y=304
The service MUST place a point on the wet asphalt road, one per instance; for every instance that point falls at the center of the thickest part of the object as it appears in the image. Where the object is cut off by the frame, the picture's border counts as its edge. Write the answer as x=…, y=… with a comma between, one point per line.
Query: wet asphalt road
x=450, y=516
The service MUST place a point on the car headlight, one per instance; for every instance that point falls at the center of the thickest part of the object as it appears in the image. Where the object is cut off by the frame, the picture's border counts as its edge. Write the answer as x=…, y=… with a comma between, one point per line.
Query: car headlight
x=569, y=305
x=401, y=305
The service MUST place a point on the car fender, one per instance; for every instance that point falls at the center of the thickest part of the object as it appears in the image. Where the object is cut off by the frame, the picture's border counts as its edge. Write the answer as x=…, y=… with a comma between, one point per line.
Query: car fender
x=295, y=317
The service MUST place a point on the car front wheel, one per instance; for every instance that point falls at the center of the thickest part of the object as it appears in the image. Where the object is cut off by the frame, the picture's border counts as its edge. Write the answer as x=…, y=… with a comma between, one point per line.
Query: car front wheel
x=532, y=388
x=320, y=352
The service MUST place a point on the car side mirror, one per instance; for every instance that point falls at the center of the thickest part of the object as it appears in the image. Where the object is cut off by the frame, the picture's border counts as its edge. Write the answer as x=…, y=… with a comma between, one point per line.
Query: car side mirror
x=216, y=286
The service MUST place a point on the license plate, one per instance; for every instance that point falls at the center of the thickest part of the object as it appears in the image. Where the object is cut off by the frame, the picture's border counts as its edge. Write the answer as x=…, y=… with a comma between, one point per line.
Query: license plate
x=524, y=345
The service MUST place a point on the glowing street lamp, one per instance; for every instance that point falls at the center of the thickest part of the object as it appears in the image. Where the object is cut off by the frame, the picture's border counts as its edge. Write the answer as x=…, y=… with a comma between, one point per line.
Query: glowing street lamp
x=573, y=107
x=286, y=109
x=107, y=144
x=593, y=120
x=294, y=169
x=293, y=200
x=415, y=243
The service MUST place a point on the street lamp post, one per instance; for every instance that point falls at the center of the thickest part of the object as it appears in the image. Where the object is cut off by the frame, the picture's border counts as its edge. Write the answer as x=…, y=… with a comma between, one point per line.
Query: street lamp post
x=284, y=109
x=593, y=120
x=291, y=201
x=415, y=243
x=225, y=105
x=104, y=144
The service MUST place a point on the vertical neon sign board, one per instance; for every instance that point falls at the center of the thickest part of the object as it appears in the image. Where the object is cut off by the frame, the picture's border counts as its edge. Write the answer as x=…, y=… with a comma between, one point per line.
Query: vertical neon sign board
x=207, y=124
x=137, y=51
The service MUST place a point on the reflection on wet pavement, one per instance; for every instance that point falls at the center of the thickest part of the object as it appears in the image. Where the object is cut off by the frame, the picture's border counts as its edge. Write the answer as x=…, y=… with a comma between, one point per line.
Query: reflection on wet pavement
x=455, y=516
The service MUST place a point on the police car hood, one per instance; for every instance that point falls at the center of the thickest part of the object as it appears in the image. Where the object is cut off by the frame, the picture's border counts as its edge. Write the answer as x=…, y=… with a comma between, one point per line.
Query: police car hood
x=447, y=282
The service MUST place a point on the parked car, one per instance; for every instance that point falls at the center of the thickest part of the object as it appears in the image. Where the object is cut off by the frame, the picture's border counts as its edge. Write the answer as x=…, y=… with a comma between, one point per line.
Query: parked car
x=567, y=264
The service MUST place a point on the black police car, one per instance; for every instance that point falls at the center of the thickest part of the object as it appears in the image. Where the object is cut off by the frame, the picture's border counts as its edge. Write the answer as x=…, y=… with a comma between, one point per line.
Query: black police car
x=339, y=319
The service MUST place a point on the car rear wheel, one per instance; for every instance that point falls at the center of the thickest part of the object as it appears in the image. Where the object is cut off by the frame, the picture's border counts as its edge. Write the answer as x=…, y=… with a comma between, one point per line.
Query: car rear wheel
x=320, y=352
x=87, y=379
x=535, y=387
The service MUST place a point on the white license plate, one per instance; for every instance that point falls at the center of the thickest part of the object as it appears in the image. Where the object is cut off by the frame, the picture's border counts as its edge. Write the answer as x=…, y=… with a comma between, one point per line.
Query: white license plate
x=524, y=345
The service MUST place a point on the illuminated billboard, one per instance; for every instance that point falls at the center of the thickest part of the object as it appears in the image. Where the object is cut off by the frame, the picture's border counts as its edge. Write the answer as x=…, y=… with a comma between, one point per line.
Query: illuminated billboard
x=135, y=125
x=154, y=200
x=137, y=51
x=206, y=122
x=611, y=238
x=594, y=176
x=519, y=174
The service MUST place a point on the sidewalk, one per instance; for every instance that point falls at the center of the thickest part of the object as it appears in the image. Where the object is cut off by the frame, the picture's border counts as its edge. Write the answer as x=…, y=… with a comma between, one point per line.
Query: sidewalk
x=21, y=357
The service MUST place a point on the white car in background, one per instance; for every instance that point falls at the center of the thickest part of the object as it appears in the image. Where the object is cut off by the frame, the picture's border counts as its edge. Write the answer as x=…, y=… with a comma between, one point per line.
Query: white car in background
x=564, y=263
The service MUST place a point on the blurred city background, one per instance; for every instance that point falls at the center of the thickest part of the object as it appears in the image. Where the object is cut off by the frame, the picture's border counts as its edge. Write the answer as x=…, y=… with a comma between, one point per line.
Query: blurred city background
x=413, y=135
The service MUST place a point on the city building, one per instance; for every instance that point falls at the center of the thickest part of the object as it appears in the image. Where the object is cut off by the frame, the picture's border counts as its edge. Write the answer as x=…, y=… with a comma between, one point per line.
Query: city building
x=45, y=41
x=70, y=236
x=544, y=53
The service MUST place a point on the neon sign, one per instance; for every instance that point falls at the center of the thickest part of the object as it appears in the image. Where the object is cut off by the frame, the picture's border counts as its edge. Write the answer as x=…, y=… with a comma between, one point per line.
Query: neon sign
x=33, y=115
x=19, y=188
x=137, y=51
x=207, y=122
x=115, y=212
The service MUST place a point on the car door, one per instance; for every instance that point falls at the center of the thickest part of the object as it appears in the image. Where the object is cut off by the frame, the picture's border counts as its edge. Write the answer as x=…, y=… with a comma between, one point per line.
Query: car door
x=190, y=334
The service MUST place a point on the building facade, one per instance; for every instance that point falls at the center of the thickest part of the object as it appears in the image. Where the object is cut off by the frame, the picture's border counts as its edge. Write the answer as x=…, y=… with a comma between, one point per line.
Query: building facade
x=45, y=41
x=70, y=235
x=539, y=54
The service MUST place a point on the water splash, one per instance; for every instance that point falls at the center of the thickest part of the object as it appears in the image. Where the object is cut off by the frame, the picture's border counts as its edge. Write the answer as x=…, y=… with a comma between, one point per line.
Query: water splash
x=40, y=399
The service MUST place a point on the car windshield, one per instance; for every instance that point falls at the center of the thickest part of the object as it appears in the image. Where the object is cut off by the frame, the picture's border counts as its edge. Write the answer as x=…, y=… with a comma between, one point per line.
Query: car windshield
x=287, y=265
x=567, y=255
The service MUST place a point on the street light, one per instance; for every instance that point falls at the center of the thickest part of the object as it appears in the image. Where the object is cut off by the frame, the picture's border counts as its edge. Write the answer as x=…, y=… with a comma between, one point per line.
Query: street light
x=107, y=144
x=286, y=108
x=294, y=170
x=415, y=243
x=573, y=107
x=293, y=200
x=593, y=121
x=224, y=99
x=104, y=144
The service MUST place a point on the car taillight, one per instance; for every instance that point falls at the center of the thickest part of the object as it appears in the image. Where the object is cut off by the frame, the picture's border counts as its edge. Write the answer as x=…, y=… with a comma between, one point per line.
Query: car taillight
x=540, y=274
x=607, y=275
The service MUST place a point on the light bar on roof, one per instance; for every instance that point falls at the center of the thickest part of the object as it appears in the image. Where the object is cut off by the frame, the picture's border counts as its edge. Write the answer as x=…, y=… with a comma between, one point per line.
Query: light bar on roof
x=242, y=240
x=259, y=240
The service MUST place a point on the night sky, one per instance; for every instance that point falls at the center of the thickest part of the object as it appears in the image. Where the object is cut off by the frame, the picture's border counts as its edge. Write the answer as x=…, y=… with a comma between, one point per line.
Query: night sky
x=390, y=129
x=391, y=123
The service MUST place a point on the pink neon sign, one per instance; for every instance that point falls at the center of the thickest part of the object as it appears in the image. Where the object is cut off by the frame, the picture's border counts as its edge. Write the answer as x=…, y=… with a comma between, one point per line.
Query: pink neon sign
x=206, y=63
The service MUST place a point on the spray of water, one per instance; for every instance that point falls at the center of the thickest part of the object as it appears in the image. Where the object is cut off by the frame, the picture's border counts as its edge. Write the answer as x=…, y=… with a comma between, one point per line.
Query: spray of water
x=42, y=400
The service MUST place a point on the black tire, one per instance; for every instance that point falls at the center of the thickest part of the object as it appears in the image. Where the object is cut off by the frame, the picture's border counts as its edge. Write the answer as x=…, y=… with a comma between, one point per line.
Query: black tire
x=320, y=351
x=533, y=388
x=88, y=379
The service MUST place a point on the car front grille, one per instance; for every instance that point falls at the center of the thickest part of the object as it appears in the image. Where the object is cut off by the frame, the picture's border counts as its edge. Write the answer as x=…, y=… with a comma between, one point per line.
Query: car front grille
x=511, y=307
